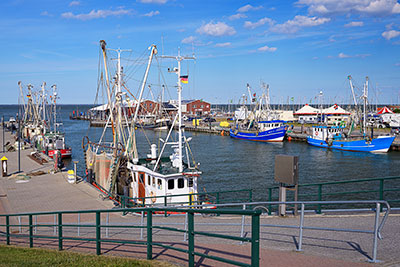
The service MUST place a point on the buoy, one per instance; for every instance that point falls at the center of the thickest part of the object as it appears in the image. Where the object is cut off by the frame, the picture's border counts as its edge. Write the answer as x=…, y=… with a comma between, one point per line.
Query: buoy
x=289, y=138
x=222, y=132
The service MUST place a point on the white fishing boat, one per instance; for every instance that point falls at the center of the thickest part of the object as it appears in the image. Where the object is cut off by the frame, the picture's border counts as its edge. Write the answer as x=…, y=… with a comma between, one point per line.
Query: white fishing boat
x=116, y=167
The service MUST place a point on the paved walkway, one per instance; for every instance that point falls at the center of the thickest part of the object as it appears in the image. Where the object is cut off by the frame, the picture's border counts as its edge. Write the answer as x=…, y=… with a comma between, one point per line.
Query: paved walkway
x=52, y=192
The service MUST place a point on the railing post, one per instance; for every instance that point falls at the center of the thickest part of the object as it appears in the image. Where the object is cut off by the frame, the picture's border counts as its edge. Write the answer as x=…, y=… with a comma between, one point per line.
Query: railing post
x=98, y=233
x=8, y=229
x=251, y=195
x=191, y=237
x=255, y=240
x=186, y=227
x=301, y=228
x=319, y=198
x=149, y=234
x=30, y=231
x=35, y=229
x=190, y=200
x=242, y=227
x=19, y=222
x=217, y=200
x=60, y=233
x=270, y=200
x=375, y=244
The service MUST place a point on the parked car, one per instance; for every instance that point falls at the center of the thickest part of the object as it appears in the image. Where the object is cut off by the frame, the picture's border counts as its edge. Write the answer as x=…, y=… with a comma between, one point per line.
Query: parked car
x=209, y=119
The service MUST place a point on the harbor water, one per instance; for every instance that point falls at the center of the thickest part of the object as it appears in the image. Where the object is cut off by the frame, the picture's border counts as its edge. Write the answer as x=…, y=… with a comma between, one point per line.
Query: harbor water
x=229, y=164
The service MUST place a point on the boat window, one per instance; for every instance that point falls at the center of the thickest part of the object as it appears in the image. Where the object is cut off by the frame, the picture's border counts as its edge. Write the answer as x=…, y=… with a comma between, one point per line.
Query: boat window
x=181, y=183
x=190, y=182
x=154, y=181
x=171, y=184
x=141, y=178
x=148, y=180
x=159, y=184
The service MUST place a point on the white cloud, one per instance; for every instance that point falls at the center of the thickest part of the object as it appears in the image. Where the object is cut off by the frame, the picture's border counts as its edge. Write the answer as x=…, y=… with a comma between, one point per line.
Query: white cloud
x=237, y=16
x=74, y=3
x=223, y=44
x=260, y=22
x=343, y=55
x=152, y=13
x=370, y=7
x=390, y=34
x=95, y=14
x=188, y=40
x=153, y=1
x=248, y=8
x=298, y=22
x=267, y=49
x=354, y=24
x=216, y=29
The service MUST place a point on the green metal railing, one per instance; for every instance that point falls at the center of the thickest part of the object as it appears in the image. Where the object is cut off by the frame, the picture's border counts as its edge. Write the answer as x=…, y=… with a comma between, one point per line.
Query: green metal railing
x=99, y=240
x=383, y=188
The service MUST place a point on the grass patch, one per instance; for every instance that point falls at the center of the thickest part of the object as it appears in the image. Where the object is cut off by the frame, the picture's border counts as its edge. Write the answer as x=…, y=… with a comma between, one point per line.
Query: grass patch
x=17, y=256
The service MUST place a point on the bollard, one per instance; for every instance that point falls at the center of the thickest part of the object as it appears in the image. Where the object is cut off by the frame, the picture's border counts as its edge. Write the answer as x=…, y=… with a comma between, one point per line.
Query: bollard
x=4, y=161
x=75, y=162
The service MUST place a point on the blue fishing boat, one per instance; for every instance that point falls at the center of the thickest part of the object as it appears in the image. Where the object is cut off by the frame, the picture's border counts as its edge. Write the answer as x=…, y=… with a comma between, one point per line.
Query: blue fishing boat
x=261, y=124
x=263, y=131
x=333, y=137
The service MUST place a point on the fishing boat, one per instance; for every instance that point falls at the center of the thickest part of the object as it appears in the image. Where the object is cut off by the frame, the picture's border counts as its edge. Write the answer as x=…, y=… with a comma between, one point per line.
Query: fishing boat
x=39, y=124
x=334, y=137
x=117, y=167
x=258, y=125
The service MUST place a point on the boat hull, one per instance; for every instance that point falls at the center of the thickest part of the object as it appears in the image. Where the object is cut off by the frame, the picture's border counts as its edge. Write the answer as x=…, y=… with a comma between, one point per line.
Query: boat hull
x=65, y=153
x=273, y=135
x=378, y=145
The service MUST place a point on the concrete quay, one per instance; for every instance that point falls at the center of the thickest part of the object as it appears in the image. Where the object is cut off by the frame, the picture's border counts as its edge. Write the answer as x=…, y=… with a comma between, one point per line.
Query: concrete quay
x=52, y=192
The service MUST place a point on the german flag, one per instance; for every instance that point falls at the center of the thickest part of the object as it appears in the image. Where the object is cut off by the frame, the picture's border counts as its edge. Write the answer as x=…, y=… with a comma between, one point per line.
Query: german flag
x=184, y=78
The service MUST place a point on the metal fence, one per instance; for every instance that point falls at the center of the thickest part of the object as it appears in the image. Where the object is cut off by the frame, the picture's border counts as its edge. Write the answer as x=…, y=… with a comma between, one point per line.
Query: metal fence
x=189, y=231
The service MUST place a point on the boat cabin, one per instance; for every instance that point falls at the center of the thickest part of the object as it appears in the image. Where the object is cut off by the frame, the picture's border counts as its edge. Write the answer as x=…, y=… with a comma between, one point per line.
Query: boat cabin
x=327, y=132
x=268, y=125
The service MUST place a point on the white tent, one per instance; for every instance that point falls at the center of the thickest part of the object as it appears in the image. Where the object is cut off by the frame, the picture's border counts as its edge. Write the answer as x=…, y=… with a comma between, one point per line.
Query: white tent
x=307, y=110
x=335, y=110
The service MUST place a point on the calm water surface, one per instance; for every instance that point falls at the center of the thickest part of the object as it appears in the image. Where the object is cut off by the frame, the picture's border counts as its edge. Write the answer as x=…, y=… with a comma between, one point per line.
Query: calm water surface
x=229, y=164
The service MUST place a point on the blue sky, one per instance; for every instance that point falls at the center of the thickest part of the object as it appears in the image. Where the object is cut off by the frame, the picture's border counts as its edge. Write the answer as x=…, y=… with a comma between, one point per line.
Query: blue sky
x=297, y=47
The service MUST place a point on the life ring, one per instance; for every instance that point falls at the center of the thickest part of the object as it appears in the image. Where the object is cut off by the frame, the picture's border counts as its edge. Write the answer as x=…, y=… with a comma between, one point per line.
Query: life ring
x=153, y=197
x=316, y=133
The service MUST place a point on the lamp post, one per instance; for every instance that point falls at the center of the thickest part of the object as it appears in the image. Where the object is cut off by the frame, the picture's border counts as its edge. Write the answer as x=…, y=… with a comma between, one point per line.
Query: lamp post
x=19, y=143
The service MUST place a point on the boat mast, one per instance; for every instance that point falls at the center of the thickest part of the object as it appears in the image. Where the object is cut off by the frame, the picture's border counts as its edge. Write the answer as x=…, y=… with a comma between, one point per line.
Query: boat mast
x=44, y=106
x=55, y=106
x=153, y=51
x=118, y=95
x=365, y=96
x=179, y=59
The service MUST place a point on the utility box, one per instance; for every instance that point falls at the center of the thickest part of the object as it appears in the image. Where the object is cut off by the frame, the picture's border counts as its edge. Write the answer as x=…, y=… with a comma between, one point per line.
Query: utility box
x=287, y=174
x=287, y=169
